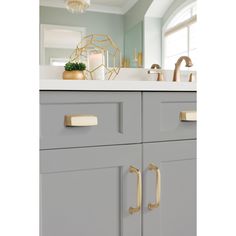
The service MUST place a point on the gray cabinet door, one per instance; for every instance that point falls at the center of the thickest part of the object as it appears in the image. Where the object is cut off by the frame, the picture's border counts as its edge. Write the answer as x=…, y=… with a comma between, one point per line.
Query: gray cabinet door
x=88, y=191
x=176, y=214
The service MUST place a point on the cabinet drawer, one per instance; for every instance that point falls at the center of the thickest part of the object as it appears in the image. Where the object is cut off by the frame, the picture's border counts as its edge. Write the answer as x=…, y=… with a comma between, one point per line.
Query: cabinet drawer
x=161, y=116
x=118, y=117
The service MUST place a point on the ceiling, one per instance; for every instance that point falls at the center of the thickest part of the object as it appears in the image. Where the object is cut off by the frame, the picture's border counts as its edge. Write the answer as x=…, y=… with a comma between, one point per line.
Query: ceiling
x=158, y=8
x=117, y=3
x=108, y=6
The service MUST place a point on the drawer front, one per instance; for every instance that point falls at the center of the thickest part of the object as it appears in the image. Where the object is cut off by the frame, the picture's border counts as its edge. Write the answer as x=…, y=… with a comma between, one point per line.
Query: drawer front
x=161, y=116
x=118, y=117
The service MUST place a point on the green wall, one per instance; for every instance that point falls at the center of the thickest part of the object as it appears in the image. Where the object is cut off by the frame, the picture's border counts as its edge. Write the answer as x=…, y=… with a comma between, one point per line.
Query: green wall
x=136, y=14
x=103, y=23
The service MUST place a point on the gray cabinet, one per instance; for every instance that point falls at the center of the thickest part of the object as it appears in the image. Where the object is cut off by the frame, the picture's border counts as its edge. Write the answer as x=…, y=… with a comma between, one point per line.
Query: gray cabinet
x=88, y=191
x=87, y=184
x=176, y=214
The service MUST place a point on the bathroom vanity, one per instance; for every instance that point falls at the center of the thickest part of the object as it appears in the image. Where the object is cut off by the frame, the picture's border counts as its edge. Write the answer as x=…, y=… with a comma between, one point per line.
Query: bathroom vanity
x=118, y=158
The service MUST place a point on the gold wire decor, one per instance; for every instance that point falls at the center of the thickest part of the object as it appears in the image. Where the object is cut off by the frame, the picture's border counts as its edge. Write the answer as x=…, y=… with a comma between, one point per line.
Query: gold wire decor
x=101, y=56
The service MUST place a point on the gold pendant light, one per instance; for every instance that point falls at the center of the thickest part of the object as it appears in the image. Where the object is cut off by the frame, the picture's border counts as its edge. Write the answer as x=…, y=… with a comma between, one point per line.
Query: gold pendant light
x=77, y=6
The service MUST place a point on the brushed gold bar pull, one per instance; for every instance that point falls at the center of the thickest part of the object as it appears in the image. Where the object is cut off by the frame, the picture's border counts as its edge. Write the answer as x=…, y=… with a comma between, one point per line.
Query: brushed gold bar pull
x=139, y=190
x=80, y=120
x=154, y=168
x=188, y=116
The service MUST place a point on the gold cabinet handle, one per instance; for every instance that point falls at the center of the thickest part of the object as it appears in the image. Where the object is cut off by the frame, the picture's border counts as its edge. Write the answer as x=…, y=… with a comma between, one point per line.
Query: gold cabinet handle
x=188, y=116
x=80, y=120
x=154, y=168
x=139, y=190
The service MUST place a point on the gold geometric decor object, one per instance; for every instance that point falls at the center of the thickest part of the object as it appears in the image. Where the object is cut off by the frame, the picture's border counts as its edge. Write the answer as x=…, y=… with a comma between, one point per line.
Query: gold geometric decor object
x=101, y=56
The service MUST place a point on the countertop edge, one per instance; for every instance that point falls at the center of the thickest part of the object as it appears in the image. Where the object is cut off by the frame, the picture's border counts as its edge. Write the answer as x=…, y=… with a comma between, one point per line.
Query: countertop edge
x=116, y=85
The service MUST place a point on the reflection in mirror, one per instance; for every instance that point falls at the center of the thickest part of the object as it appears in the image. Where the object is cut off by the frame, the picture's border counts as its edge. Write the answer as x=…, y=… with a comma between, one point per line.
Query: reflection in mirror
x=179, y=36
x=134, y=46
x=58, y=43
x=146, y=31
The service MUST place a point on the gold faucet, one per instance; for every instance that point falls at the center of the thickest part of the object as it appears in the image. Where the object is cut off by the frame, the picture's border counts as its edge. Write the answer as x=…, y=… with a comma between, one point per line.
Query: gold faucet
x=160, y=76
x=176, y=77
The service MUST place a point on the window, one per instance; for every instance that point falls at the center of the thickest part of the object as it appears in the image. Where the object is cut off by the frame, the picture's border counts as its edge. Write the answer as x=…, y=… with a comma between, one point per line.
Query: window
x=180, y=37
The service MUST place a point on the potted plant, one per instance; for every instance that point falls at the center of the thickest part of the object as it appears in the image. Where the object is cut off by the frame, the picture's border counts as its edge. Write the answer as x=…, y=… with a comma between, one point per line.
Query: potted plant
x=74, y=71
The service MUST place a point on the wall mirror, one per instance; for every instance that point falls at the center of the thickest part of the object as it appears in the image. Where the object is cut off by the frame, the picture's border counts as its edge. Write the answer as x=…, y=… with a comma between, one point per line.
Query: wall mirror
x=146, y=31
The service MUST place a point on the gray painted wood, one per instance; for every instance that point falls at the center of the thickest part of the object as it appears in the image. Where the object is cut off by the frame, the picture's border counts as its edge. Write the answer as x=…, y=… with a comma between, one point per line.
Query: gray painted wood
x=119, y=118
x=161, y=116
x=88, y=191
x=176, y=215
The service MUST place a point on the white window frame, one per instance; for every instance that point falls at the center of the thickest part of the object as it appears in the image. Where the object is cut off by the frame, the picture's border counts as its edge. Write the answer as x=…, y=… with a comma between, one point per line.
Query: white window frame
x=177, y=27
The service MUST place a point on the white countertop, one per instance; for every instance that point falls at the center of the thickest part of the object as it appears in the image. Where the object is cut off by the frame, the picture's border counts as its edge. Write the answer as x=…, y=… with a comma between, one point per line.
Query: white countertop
x=98, y=85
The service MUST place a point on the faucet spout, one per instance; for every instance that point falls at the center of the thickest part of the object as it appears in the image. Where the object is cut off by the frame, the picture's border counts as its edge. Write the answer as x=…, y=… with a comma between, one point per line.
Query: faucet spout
x=188, y=61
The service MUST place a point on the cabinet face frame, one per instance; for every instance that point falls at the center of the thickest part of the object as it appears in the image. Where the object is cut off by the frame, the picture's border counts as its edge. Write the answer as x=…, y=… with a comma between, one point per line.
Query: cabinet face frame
x=176, y=214
x=67, y=172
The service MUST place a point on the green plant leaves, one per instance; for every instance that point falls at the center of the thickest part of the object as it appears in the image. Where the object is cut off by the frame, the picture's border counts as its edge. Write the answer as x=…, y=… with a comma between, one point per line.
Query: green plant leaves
x=69, y=66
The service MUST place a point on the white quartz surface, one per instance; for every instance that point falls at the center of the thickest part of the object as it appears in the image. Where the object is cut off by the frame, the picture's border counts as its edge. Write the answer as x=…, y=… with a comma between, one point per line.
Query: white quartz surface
x=128, y=79
x=115, y=85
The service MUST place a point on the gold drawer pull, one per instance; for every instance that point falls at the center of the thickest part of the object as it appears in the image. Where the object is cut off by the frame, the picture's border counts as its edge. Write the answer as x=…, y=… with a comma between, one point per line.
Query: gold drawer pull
x=81, y=120
x=154, y=168
x=188, y=116
x=139, y=190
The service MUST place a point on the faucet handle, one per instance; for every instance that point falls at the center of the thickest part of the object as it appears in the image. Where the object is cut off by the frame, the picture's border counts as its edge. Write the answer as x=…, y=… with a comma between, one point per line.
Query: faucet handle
x=160, y=76
x=191, y=77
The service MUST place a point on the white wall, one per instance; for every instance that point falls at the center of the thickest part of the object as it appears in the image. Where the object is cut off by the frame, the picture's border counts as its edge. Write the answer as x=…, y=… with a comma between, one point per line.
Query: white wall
x=152, y=41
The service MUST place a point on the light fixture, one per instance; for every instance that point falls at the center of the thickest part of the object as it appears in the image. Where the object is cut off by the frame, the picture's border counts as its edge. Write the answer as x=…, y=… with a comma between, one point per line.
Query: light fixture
x=75, y=6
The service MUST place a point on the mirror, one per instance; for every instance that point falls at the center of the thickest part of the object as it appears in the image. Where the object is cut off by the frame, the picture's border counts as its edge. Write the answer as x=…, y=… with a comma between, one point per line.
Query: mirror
x=141, y=28
x=58, y=43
